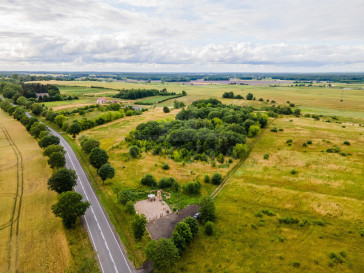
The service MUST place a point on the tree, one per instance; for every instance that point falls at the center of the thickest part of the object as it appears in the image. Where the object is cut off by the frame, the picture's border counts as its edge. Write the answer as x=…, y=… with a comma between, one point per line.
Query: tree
x=184, y=93
x=129, y=207
x=184, y=230
x=37, y=109
x=48, y=140
x=297, y=112
x=59, y=120
x=21, y=100
x=240, y=150
x=69, y=207
x=74, y=129
x=138, y=226
x=62, y=180
x=52, y=149
x=249, y=96
x=98, y=157
x=57, y=160
x=166, y=109
x=134, y=151
x=216, y=179
x=253, y=130
x=89, y=144
x=106, y=171
x=209, y=228
x=149, y=180
x=36, y=128
x=206, y=178
x=192, y=223
x=163, y=254
x=207, y=209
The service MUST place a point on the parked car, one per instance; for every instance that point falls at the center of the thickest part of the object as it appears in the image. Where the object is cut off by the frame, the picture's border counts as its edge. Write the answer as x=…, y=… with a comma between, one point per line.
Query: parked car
x=196, y=215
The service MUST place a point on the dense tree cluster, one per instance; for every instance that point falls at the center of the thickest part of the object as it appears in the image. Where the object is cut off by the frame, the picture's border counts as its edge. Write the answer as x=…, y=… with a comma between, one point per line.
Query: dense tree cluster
x=207, y=127
x=133, y=94
x=231, y=95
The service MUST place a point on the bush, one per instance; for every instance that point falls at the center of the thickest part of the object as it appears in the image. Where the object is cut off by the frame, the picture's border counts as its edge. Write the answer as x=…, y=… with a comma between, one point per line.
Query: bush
x=209, y=228
x=289, y=141
x=165, y=166
x=361, y=232
x=309, y=142
x=266, y=156
x=293, y=171
x=148, y=180
x=138, y=226
x=296, y=264
x=129, y=113
x=206, y=178
x=166, y=182
x=216, y=179
x=288, y=220
x=134, y=151
x=346, y=142
x=220, y=158
x=304, y=144
x=166, y=109
x=274, y=129
x=249, y=96
x=127, y=195
x=192, y=188
x=129, y=207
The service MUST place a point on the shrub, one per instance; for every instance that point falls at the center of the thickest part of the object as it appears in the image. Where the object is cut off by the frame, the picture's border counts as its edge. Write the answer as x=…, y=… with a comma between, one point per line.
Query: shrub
x=274, y=129
x=289, y=141
x=138, y=226
x=129, y=113
x=266, y=156
x=249, y=96
x=165, y=166
x=230, y=160
x=127, y=195
x=166, y=182
x=346, y=142
x=209, y=228
x=240, y=150
x=216, y=179
x=192, y=188
x=134, y=151
x=361, y=232
x=220, y=158
x=129, y=207
x=148, y=180
x=166, y=109
x=206, y=178
x=293, y=171
x=309, y=142
x=288, y=220
x=296, y=264
x=304, y=144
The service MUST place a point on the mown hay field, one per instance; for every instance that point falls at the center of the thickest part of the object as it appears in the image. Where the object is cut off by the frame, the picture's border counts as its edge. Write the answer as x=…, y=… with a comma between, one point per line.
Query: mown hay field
x=325, y=195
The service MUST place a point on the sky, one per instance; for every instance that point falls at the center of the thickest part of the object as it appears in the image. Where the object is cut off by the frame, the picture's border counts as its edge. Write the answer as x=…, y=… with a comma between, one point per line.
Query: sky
x=182, y=35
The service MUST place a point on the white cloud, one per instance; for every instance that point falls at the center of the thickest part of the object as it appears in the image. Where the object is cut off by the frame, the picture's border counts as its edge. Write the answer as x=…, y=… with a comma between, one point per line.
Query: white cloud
x=182, y=35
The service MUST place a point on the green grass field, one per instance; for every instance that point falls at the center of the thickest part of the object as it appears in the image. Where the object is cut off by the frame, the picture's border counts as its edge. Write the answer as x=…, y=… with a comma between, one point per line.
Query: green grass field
x=81, y=90
x=155, y=99
x=328, y=187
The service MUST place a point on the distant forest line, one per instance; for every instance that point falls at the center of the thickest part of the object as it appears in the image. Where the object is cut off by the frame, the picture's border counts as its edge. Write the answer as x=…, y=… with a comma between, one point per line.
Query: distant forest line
x=24, y=76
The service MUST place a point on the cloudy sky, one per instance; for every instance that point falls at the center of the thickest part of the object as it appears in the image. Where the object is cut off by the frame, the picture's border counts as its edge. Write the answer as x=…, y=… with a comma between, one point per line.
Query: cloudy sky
x=182, y=35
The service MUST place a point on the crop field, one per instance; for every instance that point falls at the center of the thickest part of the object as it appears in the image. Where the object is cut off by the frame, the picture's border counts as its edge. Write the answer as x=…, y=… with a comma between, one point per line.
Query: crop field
x=325, y=195
x=32, y=239
x=80, y=90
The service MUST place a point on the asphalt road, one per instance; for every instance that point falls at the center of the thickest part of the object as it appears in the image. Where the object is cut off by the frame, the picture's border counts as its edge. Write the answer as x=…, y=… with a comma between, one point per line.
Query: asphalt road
x=104, y=240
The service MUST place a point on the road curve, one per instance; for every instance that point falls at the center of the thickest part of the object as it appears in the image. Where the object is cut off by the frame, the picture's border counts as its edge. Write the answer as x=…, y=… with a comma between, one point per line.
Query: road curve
x=104, y=240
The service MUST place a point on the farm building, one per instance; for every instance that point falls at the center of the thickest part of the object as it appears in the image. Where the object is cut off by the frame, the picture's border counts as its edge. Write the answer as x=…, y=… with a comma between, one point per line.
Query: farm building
x=100, y=100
